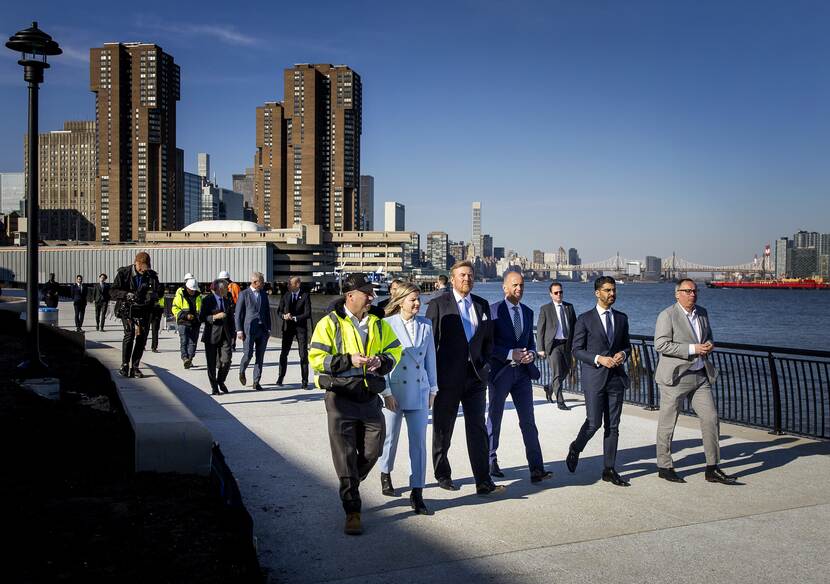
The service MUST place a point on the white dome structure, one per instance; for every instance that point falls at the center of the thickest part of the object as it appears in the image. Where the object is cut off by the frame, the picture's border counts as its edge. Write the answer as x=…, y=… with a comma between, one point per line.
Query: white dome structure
x=225, y=226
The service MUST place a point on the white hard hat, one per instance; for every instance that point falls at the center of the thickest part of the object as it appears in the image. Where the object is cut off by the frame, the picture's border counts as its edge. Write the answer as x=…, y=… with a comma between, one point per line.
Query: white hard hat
x=223, y=275
x=188, y=276
x=192, y=284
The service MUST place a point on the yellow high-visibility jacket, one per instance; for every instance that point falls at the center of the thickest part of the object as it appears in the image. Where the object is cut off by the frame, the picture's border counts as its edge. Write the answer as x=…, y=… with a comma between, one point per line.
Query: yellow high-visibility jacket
x=336, y=339
x=180, y=303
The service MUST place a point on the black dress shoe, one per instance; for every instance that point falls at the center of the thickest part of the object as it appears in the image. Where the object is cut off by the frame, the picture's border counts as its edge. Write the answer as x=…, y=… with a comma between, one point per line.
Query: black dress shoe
x=670, y=475
x=279, y=382
x=549, y=393
x=136, y=372
x=124, y=371
x=304, y=385
x=386, y=485
x=609, y=475
x=215, y=391
x=222, y=387
x=716, y=475
x=496, y=471
x=489, y=489
x=572, y=459
x=539, y=476
x=447, y=485
x=416, y=501
x=243, y=380
x=155, y=350
x=257, y=387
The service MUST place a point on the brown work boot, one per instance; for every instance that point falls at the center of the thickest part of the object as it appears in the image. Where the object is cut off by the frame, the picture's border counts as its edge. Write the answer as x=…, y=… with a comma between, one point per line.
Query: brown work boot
x=353, y=526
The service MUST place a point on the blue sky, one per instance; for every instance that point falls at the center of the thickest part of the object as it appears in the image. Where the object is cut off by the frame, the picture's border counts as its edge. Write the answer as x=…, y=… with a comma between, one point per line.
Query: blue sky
x=643, y=127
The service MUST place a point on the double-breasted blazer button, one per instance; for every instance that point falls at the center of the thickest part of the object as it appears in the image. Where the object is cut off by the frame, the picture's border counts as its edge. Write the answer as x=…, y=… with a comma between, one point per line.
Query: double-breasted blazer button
x=404, y=380
x=404, y=366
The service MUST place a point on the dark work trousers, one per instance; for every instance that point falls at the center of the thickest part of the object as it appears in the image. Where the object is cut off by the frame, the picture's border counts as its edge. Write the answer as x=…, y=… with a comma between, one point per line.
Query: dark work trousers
x=254, y=346
x=188, y=337
x=132, y=347
x=100, y=314
x=445, y=410
x=603, y=407
x=356, y=434
x=560, y=366
x=291, y=331
x=223, y=353
x=80, y=311
x=155, y=322
x=514, y=381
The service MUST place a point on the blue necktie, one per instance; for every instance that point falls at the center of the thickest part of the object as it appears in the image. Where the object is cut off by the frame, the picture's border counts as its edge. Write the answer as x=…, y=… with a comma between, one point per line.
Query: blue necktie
x=465, y=319
x=609, y=328
x=517, y=324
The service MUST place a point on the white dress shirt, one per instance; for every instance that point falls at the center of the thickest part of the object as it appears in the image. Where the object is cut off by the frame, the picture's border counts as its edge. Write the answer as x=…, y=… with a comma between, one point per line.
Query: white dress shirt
x=695, y=324
x=361, y=325
x=601, y=312
x=510, y=306
x=465, y=306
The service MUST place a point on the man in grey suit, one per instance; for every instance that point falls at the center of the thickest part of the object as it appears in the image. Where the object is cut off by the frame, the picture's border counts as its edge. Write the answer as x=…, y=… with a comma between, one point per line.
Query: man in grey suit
x=253, y=327
x=683, y=338
x=553, y=338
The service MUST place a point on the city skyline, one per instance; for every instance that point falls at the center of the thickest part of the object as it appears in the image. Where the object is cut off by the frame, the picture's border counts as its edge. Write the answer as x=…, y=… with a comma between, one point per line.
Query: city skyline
x=644, y=109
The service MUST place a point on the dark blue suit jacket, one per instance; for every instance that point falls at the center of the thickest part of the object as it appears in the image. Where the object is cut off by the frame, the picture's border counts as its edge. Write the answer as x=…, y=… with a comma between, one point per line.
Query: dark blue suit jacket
x=254, y=324
x=504, y=338
x=589, y=340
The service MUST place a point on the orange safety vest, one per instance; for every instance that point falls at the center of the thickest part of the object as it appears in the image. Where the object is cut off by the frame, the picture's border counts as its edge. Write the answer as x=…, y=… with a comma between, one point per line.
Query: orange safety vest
x=234, y=289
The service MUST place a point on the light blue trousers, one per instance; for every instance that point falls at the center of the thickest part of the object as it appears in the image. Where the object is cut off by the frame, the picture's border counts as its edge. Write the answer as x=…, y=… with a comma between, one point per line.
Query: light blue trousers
x=416, y=426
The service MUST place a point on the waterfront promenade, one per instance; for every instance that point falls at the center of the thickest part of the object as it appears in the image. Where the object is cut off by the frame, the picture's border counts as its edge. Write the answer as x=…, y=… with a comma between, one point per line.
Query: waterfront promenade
x=574, y=528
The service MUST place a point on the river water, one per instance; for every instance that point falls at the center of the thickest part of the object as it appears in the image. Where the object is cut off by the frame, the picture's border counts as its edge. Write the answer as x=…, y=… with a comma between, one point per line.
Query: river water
x=784, y=318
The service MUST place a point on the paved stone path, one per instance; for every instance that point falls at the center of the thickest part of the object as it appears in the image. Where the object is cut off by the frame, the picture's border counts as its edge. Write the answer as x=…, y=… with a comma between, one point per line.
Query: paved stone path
x=574, y=528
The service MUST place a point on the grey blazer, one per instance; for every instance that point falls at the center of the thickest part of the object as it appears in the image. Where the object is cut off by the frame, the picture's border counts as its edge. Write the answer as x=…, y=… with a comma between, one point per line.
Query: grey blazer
x=672, y=337
x=548, y=322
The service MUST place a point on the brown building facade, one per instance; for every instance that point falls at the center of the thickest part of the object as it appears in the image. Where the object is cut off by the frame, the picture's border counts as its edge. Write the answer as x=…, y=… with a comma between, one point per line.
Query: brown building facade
x=269, y=166
x=322, y=124
x=67, y=169
x=136, y=87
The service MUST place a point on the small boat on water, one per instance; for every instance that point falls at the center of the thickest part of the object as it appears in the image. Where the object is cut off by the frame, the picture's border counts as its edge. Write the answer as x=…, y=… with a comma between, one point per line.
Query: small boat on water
x=779, y=284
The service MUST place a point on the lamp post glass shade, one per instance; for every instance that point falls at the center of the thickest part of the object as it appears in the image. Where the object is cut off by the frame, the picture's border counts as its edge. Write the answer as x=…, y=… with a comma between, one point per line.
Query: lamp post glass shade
x=35, y=46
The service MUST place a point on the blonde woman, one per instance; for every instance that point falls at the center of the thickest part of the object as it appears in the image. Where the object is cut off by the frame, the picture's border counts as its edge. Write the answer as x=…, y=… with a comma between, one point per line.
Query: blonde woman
x=409, y=393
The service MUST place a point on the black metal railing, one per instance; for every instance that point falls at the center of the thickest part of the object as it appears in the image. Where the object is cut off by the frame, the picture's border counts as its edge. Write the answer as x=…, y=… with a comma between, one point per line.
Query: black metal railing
x=782, y=389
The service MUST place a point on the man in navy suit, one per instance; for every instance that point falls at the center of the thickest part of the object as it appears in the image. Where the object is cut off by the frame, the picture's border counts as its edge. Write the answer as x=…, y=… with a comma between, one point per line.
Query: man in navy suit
x=463, y=344
x=295, y=311
x=601, y=345
x=511, y=371
x=78, y=294
x=253, y=327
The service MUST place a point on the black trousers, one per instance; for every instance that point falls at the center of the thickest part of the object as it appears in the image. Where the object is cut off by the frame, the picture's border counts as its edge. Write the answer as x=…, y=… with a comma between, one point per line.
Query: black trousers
x=218, y=357
x=80, y=311
x=155, y=323
x=356, y=435
x=132, y=346
x=560, y=365
x=603, y=407
x=100, y=314
x=473, y=397
x=301, y=333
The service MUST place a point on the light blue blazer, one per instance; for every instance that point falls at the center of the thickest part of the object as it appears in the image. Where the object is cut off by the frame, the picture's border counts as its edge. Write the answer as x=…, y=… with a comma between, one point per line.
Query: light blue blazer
x=414, y=378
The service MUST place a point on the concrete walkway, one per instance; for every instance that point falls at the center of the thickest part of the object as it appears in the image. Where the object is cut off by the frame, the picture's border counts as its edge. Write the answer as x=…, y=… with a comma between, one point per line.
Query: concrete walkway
x=574, y=528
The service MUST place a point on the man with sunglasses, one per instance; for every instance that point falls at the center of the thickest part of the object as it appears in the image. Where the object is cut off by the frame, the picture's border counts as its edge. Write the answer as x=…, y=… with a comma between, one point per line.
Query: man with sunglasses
x=553, y=337
x=683, y=338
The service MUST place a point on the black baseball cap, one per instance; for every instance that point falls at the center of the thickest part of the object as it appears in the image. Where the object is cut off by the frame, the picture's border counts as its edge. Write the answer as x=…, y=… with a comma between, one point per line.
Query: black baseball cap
x=358, y=282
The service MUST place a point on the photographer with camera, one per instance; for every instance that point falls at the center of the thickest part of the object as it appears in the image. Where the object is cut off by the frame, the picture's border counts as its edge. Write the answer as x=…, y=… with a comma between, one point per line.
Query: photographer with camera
x=135, y=290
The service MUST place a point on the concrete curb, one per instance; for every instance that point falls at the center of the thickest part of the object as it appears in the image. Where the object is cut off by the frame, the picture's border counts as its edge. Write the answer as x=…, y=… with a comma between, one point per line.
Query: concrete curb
x=168, y=436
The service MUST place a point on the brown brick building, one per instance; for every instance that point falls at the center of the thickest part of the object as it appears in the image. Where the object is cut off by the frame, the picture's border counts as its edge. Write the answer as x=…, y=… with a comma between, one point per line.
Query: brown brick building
x=136, y=87
x=319, y=157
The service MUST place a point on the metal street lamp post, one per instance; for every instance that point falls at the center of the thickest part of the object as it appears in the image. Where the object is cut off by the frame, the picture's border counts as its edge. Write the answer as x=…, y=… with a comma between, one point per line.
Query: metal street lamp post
x=35, y=45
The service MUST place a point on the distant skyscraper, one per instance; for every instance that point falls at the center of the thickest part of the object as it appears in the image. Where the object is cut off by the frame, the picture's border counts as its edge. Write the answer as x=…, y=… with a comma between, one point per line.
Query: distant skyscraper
x=270, y=169
x=192, y=198
x=367, y=202
x=323, y=109
x=805, y=239
x=654, y=266
x=573, y=257
x=203, y=165
x=438, y=248
x=136, y=88
x=393, y=216
x=781, y=258
x=498, y=253
x=476, y=240
x=803, y=262
x=458, y=251
x=12, y=191
x=244, y=183
x=538, y=256
x=487, y=245
x=67, y=170
x=561, y=256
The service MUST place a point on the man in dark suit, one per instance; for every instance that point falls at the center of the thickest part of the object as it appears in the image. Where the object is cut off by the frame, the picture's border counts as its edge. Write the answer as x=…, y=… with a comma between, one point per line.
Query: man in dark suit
x=553, y=337
x=511, y=372
x=218, y=336
x=101, y=299
x=601, y=344
x=51, y=292
x=463, y=342
x=77, y=292
x=295, y=311
x=253, y=327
